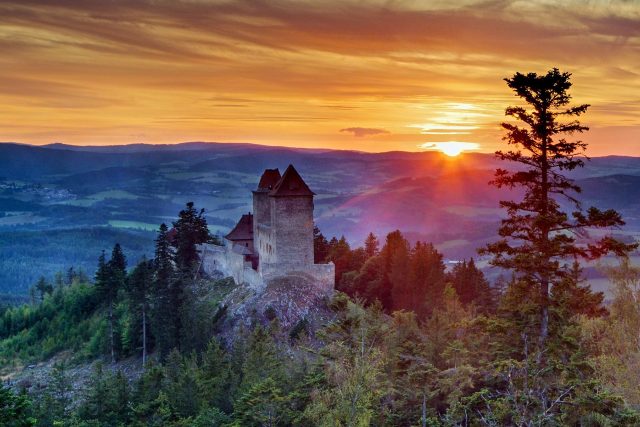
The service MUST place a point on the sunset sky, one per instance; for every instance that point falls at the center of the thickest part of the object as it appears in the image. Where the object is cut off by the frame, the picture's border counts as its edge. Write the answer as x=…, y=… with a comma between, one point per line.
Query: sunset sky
x=364, y=75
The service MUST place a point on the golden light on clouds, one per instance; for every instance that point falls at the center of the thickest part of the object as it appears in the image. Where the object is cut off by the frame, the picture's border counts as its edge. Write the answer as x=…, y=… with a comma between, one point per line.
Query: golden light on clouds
x=451, y=148
x=371, y=76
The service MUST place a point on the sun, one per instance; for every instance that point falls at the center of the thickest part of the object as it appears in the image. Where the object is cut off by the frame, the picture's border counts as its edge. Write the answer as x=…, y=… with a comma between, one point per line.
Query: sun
x=451, y=148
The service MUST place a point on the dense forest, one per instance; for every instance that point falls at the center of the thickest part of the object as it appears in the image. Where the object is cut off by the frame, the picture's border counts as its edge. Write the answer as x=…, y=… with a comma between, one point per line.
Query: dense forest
x=49, y=249
x=462, y=361
x=408, y=342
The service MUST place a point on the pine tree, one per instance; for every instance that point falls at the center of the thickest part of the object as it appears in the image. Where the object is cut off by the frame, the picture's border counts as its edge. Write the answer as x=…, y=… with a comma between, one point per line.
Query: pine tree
x=538, y=236
x=115, y=280
x=420, y=287
x=320, y=246
x=214, y=376
x=107, y=399
x=43, y=287
x=472, y=287
x=340, y=255
x=110, y=278
x=191, y=230
x=58, y=391
x=353, y=362
x=14, y=409
x=71, y=276
x=164, y=315
x=264, y=404
x=146, y=394
x=261, y=359
x=139, y=287
x=180, y=384
x=371, y=245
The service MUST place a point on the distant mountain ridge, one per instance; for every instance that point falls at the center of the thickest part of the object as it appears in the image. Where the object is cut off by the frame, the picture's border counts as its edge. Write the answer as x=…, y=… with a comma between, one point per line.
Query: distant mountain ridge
x=118, y=189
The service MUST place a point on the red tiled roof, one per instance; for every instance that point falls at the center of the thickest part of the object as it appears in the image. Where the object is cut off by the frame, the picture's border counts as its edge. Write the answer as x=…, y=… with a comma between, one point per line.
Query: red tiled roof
x=243, y=229
x=269, y=179
x=291, y=184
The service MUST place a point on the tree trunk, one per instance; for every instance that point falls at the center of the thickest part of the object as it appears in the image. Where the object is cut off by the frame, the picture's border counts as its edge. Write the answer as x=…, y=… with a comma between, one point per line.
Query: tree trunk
x=144, y=336
x=113, y=351
x=424, y=410
x=544, y=323
x=544, y=285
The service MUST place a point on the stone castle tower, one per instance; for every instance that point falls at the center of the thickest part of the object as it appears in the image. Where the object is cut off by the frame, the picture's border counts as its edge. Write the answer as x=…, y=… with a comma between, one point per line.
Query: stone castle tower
x=277, y=239
x=283, y=221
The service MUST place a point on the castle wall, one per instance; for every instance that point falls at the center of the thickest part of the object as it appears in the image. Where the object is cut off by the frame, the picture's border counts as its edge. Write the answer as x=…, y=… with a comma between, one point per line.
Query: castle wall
x=292, y=231
x=261, y=209
x=265, y=246
x=222, y=260
x=322, y=275
x=214, y=260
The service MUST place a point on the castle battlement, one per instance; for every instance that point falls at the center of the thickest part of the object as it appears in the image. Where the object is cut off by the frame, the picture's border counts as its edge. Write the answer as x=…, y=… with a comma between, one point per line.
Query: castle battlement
x=276, y=239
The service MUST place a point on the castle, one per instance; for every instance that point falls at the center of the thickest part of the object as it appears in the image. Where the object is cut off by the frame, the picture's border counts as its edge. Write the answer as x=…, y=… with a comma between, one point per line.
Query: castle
x=276, y=240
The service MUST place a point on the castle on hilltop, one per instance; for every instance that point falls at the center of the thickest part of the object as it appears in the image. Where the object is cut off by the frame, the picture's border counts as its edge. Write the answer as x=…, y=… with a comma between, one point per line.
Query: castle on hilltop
x=276, y=240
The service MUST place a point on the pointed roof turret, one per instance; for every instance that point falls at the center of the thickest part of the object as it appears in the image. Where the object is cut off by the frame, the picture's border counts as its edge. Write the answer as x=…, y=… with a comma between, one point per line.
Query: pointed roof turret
x=243, y=229
x=291, y=184
x=269, y=179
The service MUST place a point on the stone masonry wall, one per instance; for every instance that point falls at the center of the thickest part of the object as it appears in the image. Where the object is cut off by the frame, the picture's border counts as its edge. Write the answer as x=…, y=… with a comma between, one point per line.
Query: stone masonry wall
x=265, y=246
x=322, y=275
x=221, y=260
x=292, y=224
x=261, y=210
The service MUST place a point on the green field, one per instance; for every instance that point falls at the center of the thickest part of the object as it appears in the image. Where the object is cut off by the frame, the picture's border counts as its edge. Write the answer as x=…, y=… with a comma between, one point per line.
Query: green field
x=133, y=224
x=101, y=196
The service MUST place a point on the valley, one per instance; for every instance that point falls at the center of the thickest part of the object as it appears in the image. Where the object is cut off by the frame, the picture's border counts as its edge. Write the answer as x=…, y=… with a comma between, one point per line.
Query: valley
x=57, y=201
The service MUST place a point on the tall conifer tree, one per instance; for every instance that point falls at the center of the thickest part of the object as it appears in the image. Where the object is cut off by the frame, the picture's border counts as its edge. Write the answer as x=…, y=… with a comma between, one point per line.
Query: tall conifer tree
x=538, y=236
x=164, y=316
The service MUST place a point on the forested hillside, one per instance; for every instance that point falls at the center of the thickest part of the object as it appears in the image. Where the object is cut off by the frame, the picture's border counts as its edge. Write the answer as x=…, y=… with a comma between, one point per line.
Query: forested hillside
x=455, y=360
x=408, y=344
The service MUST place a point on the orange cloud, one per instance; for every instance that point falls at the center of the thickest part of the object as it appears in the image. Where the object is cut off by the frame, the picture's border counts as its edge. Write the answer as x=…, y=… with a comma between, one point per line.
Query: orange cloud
x=291, y=73
x=360, y=132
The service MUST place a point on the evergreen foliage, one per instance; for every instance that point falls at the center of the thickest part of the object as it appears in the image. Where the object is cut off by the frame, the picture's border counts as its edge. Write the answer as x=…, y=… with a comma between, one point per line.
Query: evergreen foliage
x=538, y=237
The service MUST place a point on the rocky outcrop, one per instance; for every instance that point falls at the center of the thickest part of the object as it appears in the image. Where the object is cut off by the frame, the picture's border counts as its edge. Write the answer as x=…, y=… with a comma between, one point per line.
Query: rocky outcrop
x=290, y=299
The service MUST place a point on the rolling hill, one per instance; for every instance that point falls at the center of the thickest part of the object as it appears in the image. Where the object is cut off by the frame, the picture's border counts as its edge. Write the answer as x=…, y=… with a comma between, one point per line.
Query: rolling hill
x=126, y=191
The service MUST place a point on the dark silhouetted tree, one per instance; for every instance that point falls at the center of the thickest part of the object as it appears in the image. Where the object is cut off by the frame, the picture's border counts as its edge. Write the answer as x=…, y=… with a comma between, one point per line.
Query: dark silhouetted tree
x=320, y=246
x=371, y=245
x=340, y=255
x=191, y=230
x=139, y=287
x=110, y=278
x=472, y=287
x=14, y=409
x=164, y=314
x=537, y=237
x=43, y=287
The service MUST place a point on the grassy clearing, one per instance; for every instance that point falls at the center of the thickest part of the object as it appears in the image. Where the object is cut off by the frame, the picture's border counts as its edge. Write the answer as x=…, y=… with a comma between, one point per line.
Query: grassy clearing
x=99, y=197
x=133, y=224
